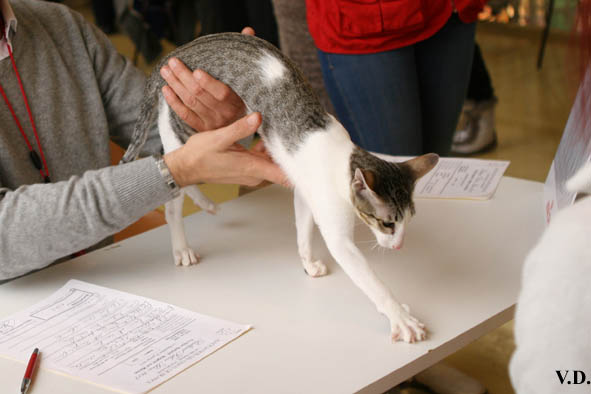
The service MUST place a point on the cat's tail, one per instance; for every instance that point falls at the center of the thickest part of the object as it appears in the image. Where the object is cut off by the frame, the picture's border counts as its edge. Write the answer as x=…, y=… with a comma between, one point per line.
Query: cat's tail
x=141, y=130
x=581, y=181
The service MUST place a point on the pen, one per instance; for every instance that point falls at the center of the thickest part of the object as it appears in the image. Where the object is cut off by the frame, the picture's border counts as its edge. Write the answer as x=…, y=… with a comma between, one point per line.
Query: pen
x=29, y=372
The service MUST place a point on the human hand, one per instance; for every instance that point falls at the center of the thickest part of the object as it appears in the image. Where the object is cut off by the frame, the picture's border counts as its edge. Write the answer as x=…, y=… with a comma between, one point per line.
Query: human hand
x=215, y=157
x=248, y=31
x=201, y=101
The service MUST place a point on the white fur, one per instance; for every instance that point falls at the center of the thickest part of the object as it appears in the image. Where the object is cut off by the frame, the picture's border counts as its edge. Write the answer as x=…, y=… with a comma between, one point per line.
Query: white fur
x=581, y=181
x=396, y=241
x=271, y=68
x=173, y=210
x=322, y=193
x=552, y=317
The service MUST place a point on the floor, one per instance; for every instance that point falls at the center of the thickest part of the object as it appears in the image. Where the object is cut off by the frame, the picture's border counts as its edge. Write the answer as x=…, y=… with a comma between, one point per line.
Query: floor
x=531, y=113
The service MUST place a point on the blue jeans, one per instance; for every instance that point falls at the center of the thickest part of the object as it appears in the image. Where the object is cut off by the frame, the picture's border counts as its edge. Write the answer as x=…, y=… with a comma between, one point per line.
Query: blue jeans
x=406, y=101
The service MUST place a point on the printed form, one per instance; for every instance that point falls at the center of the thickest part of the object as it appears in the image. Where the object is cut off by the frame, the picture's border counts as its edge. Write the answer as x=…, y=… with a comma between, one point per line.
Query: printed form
x=462, y=179
x=458, y=178
x=113, y=339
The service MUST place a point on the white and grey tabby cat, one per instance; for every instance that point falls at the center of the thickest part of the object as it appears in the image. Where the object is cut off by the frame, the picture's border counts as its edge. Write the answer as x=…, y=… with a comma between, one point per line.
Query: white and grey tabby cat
x=333, y=179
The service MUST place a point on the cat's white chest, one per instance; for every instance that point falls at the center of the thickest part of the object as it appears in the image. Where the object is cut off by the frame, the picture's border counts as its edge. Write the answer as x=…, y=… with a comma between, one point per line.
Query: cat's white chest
x=321, y=164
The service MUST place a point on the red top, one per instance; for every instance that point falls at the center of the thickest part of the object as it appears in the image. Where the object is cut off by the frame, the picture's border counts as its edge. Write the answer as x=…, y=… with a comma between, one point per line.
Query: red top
x=369, y=26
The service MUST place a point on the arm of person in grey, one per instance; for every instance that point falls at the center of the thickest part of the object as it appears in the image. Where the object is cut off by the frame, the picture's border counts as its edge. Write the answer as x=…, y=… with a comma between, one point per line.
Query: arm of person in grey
x=122, y=87
x=45, y=222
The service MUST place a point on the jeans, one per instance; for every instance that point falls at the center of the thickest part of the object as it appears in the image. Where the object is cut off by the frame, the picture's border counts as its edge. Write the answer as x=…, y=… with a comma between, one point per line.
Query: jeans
x=405, y=101
x=480, y=86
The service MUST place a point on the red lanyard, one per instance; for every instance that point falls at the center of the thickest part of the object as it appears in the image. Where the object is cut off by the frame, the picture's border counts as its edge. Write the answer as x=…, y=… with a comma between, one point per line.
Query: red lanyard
x=37, y=162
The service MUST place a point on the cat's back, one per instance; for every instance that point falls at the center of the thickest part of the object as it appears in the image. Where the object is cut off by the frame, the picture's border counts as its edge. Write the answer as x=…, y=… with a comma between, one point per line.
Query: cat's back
x=262, y=76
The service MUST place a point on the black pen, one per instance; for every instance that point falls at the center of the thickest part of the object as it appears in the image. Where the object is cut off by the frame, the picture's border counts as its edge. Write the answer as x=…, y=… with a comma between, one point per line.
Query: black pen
x=29, y=372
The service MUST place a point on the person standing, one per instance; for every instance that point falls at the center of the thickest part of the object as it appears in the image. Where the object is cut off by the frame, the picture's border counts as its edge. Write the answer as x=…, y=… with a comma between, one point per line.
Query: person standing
x=396, y=71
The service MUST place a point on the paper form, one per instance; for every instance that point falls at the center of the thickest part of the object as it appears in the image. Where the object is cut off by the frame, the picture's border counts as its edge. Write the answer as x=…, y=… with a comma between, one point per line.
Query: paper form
x=458, y=178
x=113, y=339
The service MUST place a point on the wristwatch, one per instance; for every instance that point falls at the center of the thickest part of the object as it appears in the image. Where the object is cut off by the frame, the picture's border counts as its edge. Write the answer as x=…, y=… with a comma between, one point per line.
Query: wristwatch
x=167, y=176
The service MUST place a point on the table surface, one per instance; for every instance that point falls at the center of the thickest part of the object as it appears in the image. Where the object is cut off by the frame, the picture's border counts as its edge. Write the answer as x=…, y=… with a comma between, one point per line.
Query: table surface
x=459, y=271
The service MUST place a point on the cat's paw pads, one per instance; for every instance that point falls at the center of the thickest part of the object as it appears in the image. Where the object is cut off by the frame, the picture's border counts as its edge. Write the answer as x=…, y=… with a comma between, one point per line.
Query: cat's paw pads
x=315, y=268
x=406, y=327
x=185, y=257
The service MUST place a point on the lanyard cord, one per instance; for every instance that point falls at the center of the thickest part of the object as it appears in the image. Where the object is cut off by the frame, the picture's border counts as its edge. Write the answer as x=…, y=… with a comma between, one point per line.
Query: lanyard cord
x=44, y=171
x=32, y=154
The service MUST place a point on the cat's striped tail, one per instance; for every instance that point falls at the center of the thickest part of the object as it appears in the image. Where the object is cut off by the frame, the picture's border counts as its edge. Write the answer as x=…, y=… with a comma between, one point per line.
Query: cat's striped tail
x=141, y=130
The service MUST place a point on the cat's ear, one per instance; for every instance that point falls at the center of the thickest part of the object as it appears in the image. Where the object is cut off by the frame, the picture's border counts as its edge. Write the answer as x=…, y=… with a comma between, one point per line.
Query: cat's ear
x=362, y=185
x=421, y=165
x=363, y=180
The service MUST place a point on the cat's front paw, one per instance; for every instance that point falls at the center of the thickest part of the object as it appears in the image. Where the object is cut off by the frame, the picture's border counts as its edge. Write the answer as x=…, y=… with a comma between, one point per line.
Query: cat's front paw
x=405, y=327
x=185, y=256
x=315, y=268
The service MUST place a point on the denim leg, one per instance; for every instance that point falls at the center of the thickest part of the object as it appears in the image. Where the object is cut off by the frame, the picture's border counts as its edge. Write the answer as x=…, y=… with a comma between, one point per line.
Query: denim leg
x=443, y=65
x=480, y=86
x=376, y=98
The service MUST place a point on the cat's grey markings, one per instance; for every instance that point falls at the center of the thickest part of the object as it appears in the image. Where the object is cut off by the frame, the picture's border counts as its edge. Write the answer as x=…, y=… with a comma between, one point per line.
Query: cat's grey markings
x=333, y=179
x=226, y=57
x=393, y=182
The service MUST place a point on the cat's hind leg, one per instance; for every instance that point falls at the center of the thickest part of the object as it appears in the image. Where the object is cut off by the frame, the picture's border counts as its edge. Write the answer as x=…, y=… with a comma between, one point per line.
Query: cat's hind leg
x=182, y=253
x=305, y=229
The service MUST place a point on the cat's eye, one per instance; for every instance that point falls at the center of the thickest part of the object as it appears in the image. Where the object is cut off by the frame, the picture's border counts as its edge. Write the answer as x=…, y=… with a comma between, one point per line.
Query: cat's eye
x=388, y=225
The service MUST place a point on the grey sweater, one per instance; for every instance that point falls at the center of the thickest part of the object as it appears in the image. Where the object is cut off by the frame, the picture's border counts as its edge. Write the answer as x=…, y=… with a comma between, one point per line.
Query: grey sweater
x=82, y=93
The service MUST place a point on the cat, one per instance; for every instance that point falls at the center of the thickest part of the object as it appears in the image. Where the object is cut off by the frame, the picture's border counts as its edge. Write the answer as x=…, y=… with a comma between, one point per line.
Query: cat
x=333, y=179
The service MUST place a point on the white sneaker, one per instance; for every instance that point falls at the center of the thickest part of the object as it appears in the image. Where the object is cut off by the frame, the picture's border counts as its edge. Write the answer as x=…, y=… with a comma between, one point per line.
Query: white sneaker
x=476, y=129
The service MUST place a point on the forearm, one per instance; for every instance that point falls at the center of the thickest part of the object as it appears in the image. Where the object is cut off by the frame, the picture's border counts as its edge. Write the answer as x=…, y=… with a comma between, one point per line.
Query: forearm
x=44, y=222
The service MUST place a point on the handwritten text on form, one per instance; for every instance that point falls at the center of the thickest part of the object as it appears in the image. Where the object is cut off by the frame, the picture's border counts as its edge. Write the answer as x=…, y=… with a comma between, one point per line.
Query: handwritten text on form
x=113, y=339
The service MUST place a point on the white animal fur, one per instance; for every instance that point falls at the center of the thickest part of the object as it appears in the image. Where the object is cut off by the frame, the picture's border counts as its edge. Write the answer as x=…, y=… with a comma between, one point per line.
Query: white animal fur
x=581, y=181
x=552, y=320
x=271, y=68
x=173, y=210
x=321, y=195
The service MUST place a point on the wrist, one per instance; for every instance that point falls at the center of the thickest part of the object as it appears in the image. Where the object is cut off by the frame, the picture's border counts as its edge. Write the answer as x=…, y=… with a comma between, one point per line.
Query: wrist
x=167, y=176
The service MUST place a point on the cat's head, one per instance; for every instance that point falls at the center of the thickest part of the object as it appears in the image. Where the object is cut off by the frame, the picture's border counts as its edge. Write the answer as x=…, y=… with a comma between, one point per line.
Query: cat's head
x=381, y=193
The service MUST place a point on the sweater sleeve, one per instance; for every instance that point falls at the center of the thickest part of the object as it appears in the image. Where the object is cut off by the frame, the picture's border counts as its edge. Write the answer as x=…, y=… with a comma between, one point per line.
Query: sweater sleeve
x=122, y=88
x=45, y=222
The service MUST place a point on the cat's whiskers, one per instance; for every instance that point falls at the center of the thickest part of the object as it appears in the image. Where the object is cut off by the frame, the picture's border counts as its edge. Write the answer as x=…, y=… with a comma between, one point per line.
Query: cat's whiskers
x=365, y=241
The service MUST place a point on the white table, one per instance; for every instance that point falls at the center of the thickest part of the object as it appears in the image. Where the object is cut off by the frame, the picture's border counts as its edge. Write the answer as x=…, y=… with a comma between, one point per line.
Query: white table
x=459, y=271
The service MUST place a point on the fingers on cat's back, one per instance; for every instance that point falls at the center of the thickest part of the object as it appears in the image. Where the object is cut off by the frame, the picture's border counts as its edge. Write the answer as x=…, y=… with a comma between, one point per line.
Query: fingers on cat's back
x=219, y=90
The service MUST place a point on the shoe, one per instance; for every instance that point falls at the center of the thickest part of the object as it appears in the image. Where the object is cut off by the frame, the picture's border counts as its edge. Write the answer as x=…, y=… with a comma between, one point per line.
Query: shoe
x=476, y=129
